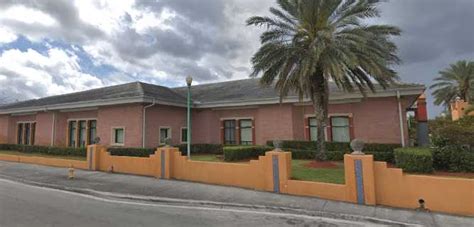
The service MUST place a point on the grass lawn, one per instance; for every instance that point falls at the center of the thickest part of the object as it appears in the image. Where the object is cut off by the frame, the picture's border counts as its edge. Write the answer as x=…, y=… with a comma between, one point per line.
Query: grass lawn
x=298, y=170
x=43, y=155
x=328, y=175
x=206, y=158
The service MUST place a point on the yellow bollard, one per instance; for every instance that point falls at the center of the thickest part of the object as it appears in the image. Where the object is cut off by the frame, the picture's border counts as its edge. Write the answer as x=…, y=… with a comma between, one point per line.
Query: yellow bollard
x=71, y=172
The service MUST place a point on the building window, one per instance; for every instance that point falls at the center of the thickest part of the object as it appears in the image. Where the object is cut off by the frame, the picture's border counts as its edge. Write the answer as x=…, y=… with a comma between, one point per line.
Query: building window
x=340, y=129
x=246, y=132
x=20, y=134
x=72, y=133
x=165, y=133
x=184, y=135
x=313, y=129
x=32, y=132
x=229, y=132
x=92, y=131
x=82, y=133
x=26, y=133
x=118, y=136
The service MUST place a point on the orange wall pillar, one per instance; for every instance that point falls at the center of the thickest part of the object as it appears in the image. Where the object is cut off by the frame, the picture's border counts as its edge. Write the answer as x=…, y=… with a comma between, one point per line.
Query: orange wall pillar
x=280, y=170
x=93, y=156
x=359, y=176
x=164, y=157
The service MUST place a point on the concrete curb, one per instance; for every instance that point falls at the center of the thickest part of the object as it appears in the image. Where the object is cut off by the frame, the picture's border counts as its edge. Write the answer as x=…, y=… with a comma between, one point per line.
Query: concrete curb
x=211, y=204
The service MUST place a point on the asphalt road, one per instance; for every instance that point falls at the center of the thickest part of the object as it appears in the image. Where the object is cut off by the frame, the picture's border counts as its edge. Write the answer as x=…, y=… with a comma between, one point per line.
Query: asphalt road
x=25, y=205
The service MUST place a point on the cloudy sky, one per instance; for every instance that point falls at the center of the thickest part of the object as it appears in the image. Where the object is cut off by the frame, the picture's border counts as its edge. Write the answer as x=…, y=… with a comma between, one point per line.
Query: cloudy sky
x=51, y=47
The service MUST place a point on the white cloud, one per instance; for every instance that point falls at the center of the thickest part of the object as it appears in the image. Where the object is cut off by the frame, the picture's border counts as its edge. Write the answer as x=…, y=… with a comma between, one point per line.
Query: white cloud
x=6, y=35
x=30, y=74
x=160, y=41
x=27, y=15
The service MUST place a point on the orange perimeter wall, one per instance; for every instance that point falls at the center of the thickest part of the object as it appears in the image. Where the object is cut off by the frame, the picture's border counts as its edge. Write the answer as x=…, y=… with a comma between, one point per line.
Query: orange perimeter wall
x=445, y=194
x=382, y=185
x=56, y=162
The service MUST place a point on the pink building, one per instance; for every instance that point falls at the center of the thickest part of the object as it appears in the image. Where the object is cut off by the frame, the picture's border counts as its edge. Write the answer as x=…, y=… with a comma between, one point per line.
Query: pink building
x=235, y=112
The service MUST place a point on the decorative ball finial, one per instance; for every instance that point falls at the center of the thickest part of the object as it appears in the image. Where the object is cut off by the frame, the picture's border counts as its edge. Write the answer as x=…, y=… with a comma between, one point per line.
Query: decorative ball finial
x=97, y=140
x=277, y=145
x=167, y=142
x=357, y=146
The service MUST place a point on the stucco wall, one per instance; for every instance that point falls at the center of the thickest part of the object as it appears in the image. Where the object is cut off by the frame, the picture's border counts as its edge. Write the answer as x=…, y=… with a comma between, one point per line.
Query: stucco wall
x=126, y=116
x=271, y=121
x=44, y=124
x=4, y=120
x=62, y=123
x=164, y=116
x=375, y=120
x=12, y=126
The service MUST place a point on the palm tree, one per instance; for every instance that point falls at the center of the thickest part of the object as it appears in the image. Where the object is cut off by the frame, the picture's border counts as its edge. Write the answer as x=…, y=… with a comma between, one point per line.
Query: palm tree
x=455, y=81
x=309, y=43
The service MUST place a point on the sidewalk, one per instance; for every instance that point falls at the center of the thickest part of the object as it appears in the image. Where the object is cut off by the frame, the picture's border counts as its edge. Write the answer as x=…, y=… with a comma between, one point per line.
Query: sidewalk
x=146, y=188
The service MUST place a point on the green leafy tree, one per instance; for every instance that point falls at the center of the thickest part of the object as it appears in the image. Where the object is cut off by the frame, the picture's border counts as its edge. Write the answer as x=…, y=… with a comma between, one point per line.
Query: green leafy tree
x=309, y=43
x=455, y=81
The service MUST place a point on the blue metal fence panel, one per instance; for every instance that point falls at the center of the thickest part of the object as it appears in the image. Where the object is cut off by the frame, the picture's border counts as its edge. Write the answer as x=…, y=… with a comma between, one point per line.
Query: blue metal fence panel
x=359, y=181
x=163, y=164
x=276, y=174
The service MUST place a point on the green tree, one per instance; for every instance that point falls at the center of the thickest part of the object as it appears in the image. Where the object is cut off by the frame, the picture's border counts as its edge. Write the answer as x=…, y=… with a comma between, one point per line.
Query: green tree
x=455, y=81
x=308, y=43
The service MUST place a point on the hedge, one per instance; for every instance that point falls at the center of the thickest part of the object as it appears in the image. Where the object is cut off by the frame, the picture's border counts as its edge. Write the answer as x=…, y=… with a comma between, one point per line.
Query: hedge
x=454, y=158
x=62, y=151
x=204, y=148
x=310, y=154
x=417, y=160
x=336, y=150
x=131, y=151
x=237, y=153
x=146, y=152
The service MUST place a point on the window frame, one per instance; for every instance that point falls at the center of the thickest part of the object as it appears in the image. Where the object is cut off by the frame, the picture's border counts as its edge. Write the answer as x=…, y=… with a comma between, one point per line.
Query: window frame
x=32, y=132
x=82, y=133
x=251, y=127
x=69, y=136
x=89, y=131
x=235, y=128
x=346, y=116
x=313, y=126
x=328, y=133
x=114, y=134
x=182, y=135
x=87, y=138
x=170, y=136
x=19, y=133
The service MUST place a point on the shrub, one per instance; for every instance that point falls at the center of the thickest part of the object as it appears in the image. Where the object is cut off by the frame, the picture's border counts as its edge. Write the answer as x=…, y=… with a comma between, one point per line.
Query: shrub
x=204, y=148
x=446, y=132
x=63, y=151
x=454, y=158
x=418, y=160
x=237, y=153
x=131, y=151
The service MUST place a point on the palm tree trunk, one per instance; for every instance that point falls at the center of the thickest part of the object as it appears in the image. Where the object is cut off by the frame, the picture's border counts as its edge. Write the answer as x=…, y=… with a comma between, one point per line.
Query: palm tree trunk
x=320, y=101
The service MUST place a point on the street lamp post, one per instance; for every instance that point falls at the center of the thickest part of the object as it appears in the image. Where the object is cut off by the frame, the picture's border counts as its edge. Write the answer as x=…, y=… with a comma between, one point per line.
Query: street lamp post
x=189, y=80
